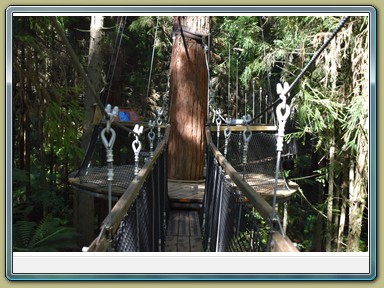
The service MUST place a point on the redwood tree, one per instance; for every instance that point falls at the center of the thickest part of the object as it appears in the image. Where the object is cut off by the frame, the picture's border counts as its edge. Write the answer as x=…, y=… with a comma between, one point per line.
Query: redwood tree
x=188, y=95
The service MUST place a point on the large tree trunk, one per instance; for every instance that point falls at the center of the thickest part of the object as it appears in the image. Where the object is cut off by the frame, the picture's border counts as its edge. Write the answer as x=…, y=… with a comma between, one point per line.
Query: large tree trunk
x=94, y=75
x=188, y=94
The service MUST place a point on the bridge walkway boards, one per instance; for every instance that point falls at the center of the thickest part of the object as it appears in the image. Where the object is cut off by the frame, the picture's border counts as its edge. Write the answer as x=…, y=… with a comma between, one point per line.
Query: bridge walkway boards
x=183, y=229
x=183, y=233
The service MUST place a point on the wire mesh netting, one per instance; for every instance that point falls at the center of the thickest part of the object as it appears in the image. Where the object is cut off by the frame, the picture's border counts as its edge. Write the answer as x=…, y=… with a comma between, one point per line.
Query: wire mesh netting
x=256, y=162
x=229, y=223
x=94, y=172
x=143, y=227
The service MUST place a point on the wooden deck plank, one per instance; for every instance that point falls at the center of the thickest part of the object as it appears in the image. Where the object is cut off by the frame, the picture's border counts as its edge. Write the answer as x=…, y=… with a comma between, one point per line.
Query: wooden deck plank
x=183, y=244
x=196, y=244
x=183, y=233
x=183, y=223
x=194, y=224
x=173, y=223
x=171, y=243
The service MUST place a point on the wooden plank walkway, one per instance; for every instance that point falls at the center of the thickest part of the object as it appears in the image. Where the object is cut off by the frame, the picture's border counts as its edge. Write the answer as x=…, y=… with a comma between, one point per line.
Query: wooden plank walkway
x=183, y=233
x=186, y=191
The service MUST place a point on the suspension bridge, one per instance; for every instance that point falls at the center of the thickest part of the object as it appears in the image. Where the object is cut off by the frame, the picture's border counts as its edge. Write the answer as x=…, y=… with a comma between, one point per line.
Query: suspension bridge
x=233, y=209
x=230, y=211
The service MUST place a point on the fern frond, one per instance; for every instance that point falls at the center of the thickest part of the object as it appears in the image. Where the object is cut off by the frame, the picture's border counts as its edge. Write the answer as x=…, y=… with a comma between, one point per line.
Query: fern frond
x=51, y=235
x=22, y=233
x=45, y=227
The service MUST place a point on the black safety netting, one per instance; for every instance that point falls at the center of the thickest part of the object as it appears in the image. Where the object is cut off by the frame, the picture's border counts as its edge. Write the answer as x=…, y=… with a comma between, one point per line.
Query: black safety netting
x=229, y=222
x=257, y=164
x=143, y=228
x=93, y=171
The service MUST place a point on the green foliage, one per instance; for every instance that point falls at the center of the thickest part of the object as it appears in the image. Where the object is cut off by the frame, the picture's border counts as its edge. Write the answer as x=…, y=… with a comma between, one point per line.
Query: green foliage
x=302, y=220
x=61, y=126
x=317, y=112
x=49, y=235
x=331, y=101
x=47, y=117
x=141, y=24
x=256, y=231
x=19, y=178
x=355, y=122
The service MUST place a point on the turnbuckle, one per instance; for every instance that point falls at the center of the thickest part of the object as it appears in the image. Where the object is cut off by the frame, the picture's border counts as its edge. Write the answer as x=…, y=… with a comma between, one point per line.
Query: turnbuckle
x=136, y=146
x=282, y=117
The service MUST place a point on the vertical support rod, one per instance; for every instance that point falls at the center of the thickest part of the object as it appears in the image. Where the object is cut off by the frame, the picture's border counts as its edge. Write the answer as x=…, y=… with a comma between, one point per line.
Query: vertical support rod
x=237, y=87
x=153, y=220
x=158, y=199
x=220, y=190
x=266, y=112
x=260, y=98
x=245, y=104
x=137, y=224
x=229, y=76
x=253, y=98
x=212, y=204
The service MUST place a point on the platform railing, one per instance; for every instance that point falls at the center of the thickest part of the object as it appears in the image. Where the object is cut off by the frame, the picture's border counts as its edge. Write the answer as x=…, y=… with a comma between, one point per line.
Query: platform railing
x=137, y=222
x=236, y=218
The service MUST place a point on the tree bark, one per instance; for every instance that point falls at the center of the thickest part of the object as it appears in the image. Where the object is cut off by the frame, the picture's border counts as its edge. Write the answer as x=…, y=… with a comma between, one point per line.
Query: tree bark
x=94, y=76
x=357, y=199
x=188, y=94
x=85, y=205
x=341, y=221
x=358, y=192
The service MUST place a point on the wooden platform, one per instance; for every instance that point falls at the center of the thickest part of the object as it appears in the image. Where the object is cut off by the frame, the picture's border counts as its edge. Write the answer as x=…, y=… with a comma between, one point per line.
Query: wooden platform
x=186, y=191
x=183, y=233
x=240, y=128
x=95, y=181
x=264, y=185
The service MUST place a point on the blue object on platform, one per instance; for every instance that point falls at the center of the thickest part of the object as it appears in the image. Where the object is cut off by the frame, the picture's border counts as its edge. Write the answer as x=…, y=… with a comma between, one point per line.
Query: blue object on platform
x=124, y=116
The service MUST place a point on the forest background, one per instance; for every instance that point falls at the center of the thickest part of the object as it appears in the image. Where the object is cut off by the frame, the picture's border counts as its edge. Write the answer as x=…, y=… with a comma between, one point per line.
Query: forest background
x=331, y=114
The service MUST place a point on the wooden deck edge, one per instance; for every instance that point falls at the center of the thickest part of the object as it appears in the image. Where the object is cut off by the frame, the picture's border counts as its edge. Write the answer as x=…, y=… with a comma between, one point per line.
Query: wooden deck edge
x=94, y=188
x=187, y=181
x=240, y=128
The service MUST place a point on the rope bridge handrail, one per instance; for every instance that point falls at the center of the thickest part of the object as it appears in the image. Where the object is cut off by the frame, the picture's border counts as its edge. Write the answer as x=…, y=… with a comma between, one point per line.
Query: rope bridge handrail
x=278, y=241
x=122, y=208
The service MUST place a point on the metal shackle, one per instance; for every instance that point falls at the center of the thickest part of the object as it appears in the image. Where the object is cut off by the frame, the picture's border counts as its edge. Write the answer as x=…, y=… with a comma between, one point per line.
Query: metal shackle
x=136, y=146
x=108, y=144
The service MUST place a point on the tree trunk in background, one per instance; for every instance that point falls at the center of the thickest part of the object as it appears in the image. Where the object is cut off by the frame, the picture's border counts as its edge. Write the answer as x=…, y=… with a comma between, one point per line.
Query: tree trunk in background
x=357, y=197
x=343, y=211
x=94, y=75
x=25, y=159
x=320, y=221
x=359, y=177
x=319, y=232
x=188, y=94
x=329, y=230
x=84, y=204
